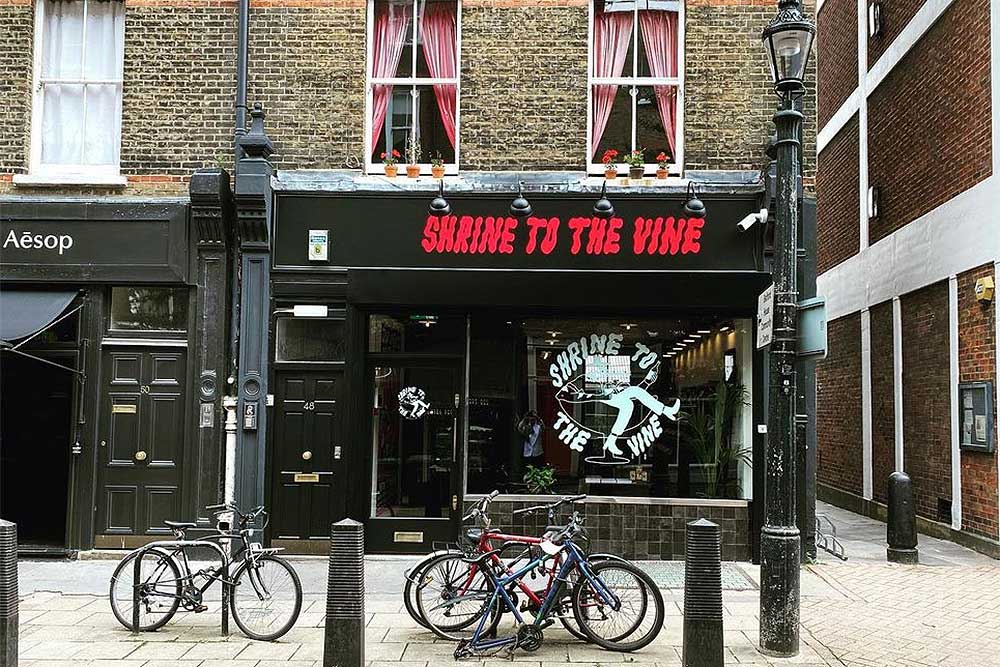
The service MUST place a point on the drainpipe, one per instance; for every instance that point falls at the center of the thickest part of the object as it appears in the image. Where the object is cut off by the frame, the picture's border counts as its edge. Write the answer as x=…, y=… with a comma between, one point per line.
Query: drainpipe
x=242, y=58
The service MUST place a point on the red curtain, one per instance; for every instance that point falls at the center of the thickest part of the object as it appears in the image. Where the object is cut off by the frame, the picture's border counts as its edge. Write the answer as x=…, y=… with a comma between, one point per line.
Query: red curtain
x=659, y=35
x=438, y=33
x=612, y=35
x=388, y=38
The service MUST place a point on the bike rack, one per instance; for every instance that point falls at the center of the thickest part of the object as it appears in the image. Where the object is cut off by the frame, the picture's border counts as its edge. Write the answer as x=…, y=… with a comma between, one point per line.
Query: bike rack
x=182, y=544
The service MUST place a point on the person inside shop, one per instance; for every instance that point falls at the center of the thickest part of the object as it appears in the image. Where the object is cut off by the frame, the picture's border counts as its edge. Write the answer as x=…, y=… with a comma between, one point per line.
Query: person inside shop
x=530, y=427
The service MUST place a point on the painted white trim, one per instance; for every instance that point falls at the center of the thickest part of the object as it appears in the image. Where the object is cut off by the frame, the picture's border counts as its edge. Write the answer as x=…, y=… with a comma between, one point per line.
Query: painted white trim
x=897, y=379
x=866, y=405
x=921, y=22
x=956, y=454
x=862, y=126
x=995, y=83
x=959, y=235
x=996, y=335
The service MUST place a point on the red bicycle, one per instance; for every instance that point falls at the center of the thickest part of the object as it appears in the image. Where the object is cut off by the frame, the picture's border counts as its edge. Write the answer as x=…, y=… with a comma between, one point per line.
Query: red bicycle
x=447, y=594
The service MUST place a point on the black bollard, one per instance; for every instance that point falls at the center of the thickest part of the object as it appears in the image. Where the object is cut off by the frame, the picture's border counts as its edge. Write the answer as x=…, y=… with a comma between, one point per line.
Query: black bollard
x=703, y=639
x=901, y=524
x=344, y=639
x=8, y=594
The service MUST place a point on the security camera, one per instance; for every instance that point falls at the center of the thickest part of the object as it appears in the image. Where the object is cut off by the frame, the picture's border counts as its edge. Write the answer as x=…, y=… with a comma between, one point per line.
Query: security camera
x=752, y=219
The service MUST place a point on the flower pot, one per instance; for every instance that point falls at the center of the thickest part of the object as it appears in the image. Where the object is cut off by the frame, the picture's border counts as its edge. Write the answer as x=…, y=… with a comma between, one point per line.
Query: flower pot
x=391, y=170
x=635, y=173
x=437, y=172
x=412, y=170
x=610, y=174
x=661, y=174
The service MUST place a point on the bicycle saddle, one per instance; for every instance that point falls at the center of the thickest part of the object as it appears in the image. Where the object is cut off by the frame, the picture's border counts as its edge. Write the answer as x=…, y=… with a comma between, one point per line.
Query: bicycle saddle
x=180, y=524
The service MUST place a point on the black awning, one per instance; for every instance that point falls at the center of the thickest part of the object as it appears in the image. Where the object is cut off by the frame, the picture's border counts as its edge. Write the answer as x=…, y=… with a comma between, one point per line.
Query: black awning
x=24, y=313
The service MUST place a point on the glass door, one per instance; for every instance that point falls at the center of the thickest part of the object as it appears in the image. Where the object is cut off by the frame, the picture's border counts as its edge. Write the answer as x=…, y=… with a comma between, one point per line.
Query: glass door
x=416, y=427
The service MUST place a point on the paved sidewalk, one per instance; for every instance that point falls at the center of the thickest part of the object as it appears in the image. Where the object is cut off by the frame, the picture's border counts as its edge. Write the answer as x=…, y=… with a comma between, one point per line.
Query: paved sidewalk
x=862, y=613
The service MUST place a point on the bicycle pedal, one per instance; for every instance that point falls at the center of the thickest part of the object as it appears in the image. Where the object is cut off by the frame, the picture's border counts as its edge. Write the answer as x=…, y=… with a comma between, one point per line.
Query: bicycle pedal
x=546, y=623
x=200, y=608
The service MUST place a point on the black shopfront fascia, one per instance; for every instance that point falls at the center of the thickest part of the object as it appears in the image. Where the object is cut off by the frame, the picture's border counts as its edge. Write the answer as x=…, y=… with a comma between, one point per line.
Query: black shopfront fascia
x=91, y=246
x=385, y=254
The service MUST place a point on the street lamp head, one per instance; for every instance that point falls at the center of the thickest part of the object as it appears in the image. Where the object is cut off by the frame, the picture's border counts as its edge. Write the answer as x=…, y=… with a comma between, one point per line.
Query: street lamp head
x=693, y=207
x=788, y=40
x=520, y=207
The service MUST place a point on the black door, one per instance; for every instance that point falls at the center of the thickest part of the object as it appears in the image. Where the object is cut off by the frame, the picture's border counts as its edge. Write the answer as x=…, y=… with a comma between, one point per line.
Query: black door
x=141, y=443
x=415, y=443
x=35, y=443
x=308, y=486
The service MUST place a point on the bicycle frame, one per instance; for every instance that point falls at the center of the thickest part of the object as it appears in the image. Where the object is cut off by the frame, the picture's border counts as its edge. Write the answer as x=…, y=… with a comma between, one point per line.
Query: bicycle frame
x=574, y=559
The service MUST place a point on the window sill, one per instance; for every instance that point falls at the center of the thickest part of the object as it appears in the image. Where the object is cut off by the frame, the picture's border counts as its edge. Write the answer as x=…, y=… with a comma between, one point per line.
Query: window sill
x=623, y=181
x=55, y=181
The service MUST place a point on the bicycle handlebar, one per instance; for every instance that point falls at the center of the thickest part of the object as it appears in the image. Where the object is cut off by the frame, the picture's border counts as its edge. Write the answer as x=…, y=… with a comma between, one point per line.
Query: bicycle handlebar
x=552, y=507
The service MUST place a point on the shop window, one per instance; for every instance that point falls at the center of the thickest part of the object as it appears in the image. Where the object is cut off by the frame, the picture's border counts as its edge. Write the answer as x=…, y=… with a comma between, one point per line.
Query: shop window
x=416, y=333
x=413, y=84
x=309, y=339
x=609, y=407
x=149, y=308
x=636, y=82
x=77, y=107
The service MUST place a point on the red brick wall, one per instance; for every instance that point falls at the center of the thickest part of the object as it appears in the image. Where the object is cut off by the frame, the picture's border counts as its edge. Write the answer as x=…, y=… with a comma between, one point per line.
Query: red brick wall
x=837, y=231
x=915, y=129
x=883, y=406
x=838, y=407
x=926, y=398
x=895, y=15
x=977, y=362
x=836, y=55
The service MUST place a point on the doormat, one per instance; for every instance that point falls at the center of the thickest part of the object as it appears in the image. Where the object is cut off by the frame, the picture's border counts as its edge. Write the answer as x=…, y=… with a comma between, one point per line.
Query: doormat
x=670, y=574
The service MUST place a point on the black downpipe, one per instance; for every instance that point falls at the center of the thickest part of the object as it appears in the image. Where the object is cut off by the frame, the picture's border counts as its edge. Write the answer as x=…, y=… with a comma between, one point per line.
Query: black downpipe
x=242, y=48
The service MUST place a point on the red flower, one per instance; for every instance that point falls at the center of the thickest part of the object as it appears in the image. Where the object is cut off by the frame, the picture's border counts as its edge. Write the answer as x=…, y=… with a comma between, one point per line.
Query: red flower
x=382, y=155
x=395, y=153
x=609, y=156
x=662, y=157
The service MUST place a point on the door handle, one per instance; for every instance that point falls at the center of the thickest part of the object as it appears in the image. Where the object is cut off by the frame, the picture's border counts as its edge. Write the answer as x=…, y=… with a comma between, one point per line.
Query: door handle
x=140, y=455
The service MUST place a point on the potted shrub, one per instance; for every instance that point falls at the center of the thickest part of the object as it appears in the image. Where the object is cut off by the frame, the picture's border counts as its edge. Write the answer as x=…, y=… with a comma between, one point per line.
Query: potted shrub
x=437, y=165
x=413, y=155
x=610, y=165
x=389, y=160
x=636, y=164
x=540, y=479
x=662, y=162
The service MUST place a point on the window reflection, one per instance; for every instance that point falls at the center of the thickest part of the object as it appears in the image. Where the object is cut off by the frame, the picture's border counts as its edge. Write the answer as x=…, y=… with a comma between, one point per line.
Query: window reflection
x=149, y=308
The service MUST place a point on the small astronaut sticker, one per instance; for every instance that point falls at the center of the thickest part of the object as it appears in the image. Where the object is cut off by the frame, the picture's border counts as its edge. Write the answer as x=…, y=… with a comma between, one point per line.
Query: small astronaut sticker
x=412, y=403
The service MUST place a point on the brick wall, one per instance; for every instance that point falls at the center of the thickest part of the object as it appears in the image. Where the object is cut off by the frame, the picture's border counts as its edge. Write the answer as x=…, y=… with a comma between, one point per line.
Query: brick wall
x=895, y=15
x=524, y=103
x=947, y=139
x=16, y=54
x=977, y=362
x=838, y=407
x=836, y=55
x=926, y=398
x=883, y=400
x=837, y=205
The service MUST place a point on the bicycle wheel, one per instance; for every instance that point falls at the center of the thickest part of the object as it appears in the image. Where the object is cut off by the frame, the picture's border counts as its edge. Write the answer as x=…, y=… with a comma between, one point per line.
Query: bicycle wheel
x=452, y=596
x=410, y=587
x=266, y=598
x=566, y=616
x=626, y=625
x=159, y=593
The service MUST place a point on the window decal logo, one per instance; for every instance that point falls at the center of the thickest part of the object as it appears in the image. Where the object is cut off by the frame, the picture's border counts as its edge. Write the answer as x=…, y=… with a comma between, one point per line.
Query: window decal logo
x=593, y=371
x=412, y=403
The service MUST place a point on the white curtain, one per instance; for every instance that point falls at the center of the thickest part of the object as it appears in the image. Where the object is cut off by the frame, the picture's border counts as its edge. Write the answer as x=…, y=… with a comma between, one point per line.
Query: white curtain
x=82, y=93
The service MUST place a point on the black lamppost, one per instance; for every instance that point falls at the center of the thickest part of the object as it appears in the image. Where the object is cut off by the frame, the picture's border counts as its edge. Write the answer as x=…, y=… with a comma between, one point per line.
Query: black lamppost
x=787, y=40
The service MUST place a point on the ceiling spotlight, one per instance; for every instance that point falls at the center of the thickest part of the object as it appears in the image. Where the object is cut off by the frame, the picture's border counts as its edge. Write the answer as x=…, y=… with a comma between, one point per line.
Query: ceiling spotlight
x=725, y=328
x=553, y=334
x=652, y=334
x=520, y=208
x=698, y=335
x=689, y=340
x=678, y=348
x=439, y=205
x=704, y=331
x=627, y=326
x=694, y=208
x=603, y=208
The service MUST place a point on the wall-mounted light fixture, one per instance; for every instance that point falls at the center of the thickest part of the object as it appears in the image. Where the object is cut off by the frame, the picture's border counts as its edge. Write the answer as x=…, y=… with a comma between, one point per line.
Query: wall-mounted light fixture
x=693, y=207
x=603, y=207
x=873, y=201
x=520, y=207
x=875, y=18
x=439, y=205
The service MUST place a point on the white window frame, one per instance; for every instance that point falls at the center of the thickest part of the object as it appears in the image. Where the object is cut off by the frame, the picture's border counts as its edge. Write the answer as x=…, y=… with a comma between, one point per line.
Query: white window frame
x=375, y=167
x=677, y=166
x=58, y=174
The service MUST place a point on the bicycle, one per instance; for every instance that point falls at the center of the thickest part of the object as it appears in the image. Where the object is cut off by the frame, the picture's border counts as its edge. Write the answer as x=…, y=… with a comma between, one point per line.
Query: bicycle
x=597, y=604
x=266, y=594
x=447, y=591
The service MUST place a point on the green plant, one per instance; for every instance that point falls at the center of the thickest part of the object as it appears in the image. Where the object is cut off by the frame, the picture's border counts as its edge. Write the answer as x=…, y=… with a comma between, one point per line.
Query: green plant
x=413, y=152
x=709, y=436
x=437, y=160
x=635, y=158
x=540, y=479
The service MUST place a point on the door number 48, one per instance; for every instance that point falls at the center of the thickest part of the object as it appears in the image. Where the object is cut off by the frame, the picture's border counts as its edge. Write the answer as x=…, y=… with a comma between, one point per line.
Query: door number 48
x=309, y=405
